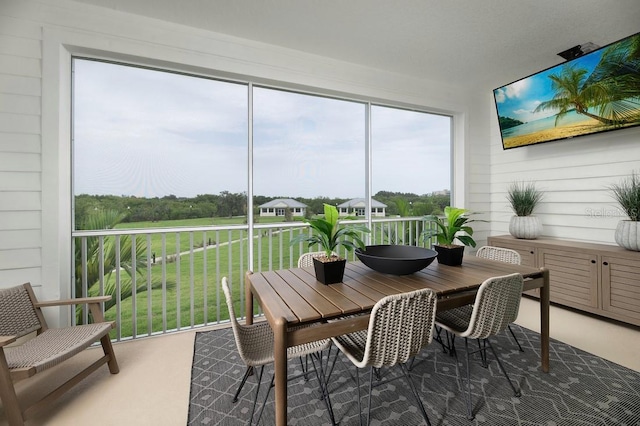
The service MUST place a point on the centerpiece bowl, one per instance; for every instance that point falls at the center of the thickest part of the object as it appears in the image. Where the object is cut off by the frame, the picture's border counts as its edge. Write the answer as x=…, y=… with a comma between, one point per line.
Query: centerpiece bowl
x=396, y=259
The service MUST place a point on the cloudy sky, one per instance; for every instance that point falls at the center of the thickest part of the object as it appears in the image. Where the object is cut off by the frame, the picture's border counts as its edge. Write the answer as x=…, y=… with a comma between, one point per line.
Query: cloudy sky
x=150, y=134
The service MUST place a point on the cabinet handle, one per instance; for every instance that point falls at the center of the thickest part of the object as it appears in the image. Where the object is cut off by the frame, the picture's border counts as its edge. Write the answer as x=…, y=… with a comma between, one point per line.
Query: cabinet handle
x=605, y=263
x=593, y=261
x=531, y=252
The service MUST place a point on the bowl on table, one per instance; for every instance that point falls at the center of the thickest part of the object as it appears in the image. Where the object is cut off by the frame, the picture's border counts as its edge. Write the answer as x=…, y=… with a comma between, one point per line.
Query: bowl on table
x=396, y=259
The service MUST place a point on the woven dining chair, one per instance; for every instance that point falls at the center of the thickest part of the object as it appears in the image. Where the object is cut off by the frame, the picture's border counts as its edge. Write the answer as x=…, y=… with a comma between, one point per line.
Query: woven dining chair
x=255, y=346
x=496, y=306
x=502, y=255
x=399, y=327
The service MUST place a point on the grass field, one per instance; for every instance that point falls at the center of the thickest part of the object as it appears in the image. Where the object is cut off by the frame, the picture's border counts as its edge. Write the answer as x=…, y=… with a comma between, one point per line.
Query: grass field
x=190, y=283
x=185, y=290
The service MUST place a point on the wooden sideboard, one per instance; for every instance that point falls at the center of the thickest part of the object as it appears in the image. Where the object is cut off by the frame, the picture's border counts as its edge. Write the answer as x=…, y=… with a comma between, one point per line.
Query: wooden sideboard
x=597, y=278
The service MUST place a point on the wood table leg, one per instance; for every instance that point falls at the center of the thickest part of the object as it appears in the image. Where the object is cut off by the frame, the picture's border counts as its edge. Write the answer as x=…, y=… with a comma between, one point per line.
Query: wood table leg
x=248, y=299
x=544, y=321
x=280, y=370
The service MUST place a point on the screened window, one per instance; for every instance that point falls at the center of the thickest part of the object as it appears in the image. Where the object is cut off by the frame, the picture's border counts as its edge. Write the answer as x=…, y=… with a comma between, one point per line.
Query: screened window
x=146, y=134
x=411, y=160
x=166, y=146
x=307, y=146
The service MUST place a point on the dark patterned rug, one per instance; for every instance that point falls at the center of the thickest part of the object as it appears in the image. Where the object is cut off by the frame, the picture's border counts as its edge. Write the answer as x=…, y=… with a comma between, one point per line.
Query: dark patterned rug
x=581, y=389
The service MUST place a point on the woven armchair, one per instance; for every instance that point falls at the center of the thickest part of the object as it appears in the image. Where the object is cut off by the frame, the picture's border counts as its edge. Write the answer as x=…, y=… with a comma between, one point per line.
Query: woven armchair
x=255, y=346
x=496, y=306
x=506, y=255
x=399, y=327
x=21, y=315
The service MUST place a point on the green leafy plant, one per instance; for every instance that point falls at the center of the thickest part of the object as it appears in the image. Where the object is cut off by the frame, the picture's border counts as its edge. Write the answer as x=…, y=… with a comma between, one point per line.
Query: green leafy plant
x=448, y=228
x=523, y=197
x=627, y=193
x=327, y=233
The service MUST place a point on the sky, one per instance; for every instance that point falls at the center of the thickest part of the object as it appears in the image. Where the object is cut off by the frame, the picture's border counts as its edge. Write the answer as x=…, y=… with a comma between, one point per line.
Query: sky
x=147, y=133
x=519, y=99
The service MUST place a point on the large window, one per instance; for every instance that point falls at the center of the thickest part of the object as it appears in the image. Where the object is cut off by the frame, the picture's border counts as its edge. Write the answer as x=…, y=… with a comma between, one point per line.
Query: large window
x=162, y=146
x=175, y=152
x=150, y=142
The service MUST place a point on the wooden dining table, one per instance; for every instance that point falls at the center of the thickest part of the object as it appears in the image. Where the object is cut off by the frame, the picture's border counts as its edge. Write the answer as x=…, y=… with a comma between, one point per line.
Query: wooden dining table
x=292, y=297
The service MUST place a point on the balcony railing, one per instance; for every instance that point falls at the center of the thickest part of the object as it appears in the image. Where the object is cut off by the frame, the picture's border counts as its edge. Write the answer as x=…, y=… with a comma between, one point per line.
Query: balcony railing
x=177, y=271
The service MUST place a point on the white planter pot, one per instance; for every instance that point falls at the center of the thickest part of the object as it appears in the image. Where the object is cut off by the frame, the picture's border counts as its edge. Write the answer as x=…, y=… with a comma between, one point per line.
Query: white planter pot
x=628, y=235
x=525, y=227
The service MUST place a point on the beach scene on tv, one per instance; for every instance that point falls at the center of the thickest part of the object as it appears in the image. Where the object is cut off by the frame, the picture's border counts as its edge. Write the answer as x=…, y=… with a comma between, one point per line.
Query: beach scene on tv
x=596, y=92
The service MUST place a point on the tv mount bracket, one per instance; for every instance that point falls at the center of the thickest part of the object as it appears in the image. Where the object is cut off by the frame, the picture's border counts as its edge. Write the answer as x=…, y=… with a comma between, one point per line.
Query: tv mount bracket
x=577, y=51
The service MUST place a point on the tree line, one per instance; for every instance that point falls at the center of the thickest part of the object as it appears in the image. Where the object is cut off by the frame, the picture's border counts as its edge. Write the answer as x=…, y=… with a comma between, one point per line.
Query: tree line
x=228, y=204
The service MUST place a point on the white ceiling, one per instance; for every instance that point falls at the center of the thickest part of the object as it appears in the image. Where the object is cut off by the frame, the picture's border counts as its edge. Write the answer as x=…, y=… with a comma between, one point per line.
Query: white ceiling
x=470, y=43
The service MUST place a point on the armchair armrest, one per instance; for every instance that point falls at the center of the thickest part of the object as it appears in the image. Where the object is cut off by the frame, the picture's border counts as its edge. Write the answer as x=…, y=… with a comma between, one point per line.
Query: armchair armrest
x=92, y=302
x=76, y=301
x=5, y=340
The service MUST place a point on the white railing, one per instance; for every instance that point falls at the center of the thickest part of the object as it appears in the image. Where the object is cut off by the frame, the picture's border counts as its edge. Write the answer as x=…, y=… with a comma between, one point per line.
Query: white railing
x=177, y=271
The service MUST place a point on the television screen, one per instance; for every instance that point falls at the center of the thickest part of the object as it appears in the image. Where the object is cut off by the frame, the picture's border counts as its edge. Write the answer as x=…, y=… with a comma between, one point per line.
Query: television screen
x=596, y=92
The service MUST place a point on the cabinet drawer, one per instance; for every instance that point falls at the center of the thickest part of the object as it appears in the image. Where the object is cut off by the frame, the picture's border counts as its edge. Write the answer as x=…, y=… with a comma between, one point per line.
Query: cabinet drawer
x=527, y=251
x=573, y=277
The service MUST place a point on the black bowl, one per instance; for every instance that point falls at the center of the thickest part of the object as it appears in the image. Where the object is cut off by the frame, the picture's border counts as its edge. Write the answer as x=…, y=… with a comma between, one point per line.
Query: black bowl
x=396, y=259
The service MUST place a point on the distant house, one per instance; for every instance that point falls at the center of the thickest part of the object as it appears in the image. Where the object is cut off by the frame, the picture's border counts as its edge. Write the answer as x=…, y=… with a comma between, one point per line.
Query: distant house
x=279, y=207
x=357, y=206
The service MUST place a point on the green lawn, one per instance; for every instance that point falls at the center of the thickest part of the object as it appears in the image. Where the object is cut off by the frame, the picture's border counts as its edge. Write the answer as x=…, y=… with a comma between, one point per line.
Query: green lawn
x=185, y=279
x=194, y=278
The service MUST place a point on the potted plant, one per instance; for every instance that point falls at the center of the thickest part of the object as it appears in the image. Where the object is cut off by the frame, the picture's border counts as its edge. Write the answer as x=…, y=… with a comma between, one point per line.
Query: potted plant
x=627, y=193
x=447, y=231
x=327, y=234
x=524, y=197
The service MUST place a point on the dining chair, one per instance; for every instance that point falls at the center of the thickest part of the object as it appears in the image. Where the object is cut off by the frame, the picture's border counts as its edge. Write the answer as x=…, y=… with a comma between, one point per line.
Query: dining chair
x=496, y=306
x=399, y=327
x=502, y=255
x=255, y=346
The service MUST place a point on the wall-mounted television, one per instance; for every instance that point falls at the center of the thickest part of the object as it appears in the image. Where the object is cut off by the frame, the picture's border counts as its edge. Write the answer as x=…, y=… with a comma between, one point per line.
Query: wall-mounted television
x=596, y=92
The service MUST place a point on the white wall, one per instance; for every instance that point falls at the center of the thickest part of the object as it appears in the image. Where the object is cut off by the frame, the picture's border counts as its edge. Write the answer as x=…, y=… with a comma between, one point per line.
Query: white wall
x=574, y=174
x=37, y=39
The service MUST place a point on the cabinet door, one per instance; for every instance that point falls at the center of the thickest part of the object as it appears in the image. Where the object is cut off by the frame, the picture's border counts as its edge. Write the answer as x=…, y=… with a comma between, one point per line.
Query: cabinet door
x=621, y=288
x=573, y=277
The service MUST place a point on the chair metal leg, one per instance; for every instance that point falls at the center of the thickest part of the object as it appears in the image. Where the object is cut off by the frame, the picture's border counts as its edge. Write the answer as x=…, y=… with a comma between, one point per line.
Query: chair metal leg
x=470, y=415
x=415, y=393
x=264, y=403
x=516, y=392
x=359, y=402
x=376, y=371
x=482, y=348
x=371, y=373
x=305, y=366
x=323, y=386
x=438, y=338
x=320, y=375
x=515, y=338
x=255, y=400
x=247, y=373
x=451, y=343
